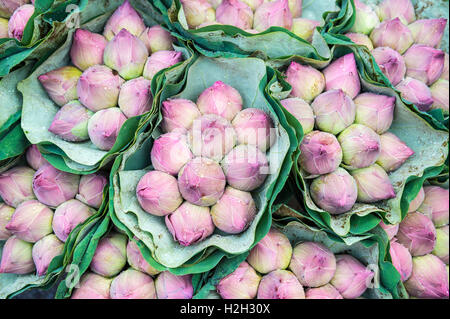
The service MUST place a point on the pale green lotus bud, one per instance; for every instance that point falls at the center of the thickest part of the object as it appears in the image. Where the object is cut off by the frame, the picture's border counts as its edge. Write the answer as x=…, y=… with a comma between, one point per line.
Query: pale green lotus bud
x=324, y=292
x=366, y=19
x=132, y=284
x=157, y=38
x=135, y=97
x=137, y=261
x=169, y=286
x=391, y=63
x=403, y=9
x=424, y=63
x=401, y=259
x=304, y=28
x=269, y=14
x=110, y=256
x=416, y=92
x=436, y=205
x=34, y=157
x=71, y=121
x=198, y=12
x=428, y=31
x=417, y=233
x=92, y=286
x=179, y=114
x=125, y=17
x=87, y=49
x=7, y=7
x=18, y=21
x=17, y=257
x=104, y=127
x=441, y=248
x=417, y=201
x=3, y=28
x=240, y=284
x=375, y=111
x=235, y=13
x=391, y=230
x=302, y=111
x=16, y=185
x=360, y=39
x=394, y=152
x=393, y=34
x=373, y=184
x=439, y=92
x=170, y=152
x=6, y=213
x=342, y=74
x=280, y=284
x=90, y=190
x=307, y=82
x=61, y=84
x=160, y=60
x=44, y=251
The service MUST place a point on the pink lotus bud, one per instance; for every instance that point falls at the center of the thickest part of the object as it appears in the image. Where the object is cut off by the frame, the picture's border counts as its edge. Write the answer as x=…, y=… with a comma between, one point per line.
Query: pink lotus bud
x=401, y=259
x=391, y=230
x=71, y=121
x=360, y=39
x=104, y=127
x=416, y=92
x=304, y=28
x=220, y=99
x=335, y=192
x=417, y=202
x=170, y=153
x=53, y=187
x=68, y=216
x=234, y=211
x=361, y=146
x=366, y=19
x=417, y=233
x=441, y=248
x=3, y=28
x=125, y=17
x=445, y=70
x=7, y=7
x=156, y=39
x=302, y=111
x=394, y=152
x=61, y=84
x=31, y=221
x=393, y=34
x=201, y=181
x=34, y=157
x=240, y=284
x=44, y=251
x=126, y=54
x=178, y=114
x=273, y=252
x=391, y=63
x=436, y=205
x=245, y=167
x=90, y=190
x=190, y=224
x=280, y=284
x=132, y=284
x=236, y=13
x=429, y=278
x=87, y=49
x=424, y=63
x=320, y=154
x=137, y=260
x=307, y=83
x=16, y=257
x=402, y=9
x=16, y=185
x=158, y=194
x=92, y=286
x=19, y=20
x=160, y=60
x=373, y=184
x=428, y=31
x=324, y=292
x=269, y=14
x=375, y=111
x=343, y=74
x=6, y=213
x=439, y=92
x=110, y=256
x=198, y=12
x=253, y=4
x=169, y=286
x=98, y=88
x=313, y=264
x=352, y=278
x=255, y=127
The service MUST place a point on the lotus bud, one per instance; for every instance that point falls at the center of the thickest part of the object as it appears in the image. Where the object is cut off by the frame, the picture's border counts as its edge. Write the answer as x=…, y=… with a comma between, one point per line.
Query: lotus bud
x=439, y=92
x=394, y=152
x=234, y=211
x=158, y=193
x=61, y=84
x=416, y=92
x=87, y=49
x=236, y=13
x=313, y=264
x=110, y=256
x=160, y=60
x=190, y=224
x=90, y=190
x=3, y=28
x=68, y=216
x=424, y=63
x=366, y=19
x=34, y=157
x=304, y=28
x=137, y=260
x=44, y=251
x=320, y=154
x=198, y=12
x=157, y=38
x=201, y=182
x=240, y=284
x=335, y=192
x=255, y=127
x=391, y=63
x=170, y=153
x=436, y=205
x=16, y=185
x=99, y=87
x=417, y=233
x=220, y=99
x=16, y=257
x=273, y=252
x=441, y=248
x=31, y=221
x=280, y=284
x=342, y=74
x=307, y=83
x=104, y=127
x=429, y=278
x=92, y=286
x=132, y=284
x=324, y=292
x=375, y=111
x=401, y=259
x=373, y=184
x=71, y=121
x=269, y=14
x=178, y=114
x=417, y=201
x=391, y=230
x=53, y=187
x=253, y=4
x=352, y=278
x=302, y=111
x=19, y=20
x=246, y=167
x=6, y=213
x=169, y=286
x=393, y=34
x=125, y=17
x=445, y=70
x=360, y=39
x=428, y=31
x=403, y=9
x=7, y=7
